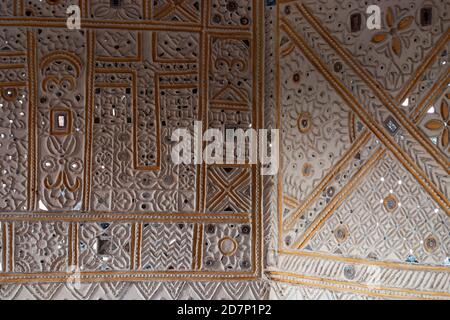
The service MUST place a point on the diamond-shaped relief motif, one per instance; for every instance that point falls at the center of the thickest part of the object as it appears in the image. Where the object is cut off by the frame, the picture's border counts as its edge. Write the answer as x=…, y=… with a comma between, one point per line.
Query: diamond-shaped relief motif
x=105, y=246
x=229, y=190
x=387, y=232
x=177, y=10
x=391, y=125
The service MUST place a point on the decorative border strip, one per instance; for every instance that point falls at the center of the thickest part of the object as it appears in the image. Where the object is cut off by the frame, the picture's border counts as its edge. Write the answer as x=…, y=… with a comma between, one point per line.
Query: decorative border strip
x=143, y=217
x=33, y=22
x=32, y=107
x=89, y=113
x=352, y=287
x=126, y=276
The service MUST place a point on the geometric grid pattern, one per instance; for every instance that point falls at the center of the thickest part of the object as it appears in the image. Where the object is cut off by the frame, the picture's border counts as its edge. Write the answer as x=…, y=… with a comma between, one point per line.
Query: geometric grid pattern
x=88, y=185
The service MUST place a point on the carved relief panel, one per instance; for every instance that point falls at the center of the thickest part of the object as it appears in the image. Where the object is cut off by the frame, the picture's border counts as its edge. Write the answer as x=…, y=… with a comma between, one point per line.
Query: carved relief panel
x=88, y=190
x=87, y=116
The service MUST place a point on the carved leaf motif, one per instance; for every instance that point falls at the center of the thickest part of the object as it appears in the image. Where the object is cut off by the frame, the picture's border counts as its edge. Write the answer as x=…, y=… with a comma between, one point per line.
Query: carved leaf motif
x=405, y=23
x=445, y=110
x=102, y=11
x=445, y=137
x=434, y=125
x=390, y=17
x=53, y=146
x=396, y=46
x=379, y=37
x=132, y=12
x=70, y=145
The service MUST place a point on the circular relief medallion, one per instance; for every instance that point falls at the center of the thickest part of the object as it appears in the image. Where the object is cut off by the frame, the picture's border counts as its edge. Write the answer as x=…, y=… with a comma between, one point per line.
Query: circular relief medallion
x=210, y=229
x=390, y=203
x=431, y=244
x=232, y=6
x=304, y=122
x=245, y=229
x=228, y=246
x=341, y=233
x=9, y=94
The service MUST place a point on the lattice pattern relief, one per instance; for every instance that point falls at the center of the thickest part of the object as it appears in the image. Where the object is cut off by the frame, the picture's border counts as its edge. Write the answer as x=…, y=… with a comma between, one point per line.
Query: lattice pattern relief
x=88, y=187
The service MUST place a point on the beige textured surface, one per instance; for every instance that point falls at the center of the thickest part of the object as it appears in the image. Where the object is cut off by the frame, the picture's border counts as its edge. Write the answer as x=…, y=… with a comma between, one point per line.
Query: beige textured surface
x=359, y=210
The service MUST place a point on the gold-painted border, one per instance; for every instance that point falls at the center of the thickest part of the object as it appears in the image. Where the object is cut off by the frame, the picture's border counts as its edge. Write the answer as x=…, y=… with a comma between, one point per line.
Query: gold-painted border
x=353, y=287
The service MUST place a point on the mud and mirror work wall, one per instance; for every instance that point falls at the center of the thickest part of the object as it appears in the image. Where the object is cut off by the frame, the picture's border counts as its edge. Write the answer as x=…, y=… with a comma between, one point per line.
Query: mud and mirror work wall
x=92, y=206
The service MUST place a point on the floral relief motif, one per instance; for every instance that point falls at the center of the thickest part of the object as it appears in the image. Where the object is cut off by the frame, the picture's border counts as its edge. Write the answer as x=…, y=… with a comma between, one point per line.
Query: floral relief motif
x=441, y=125
x=121, y=9
x=41, y=246
x=228, y=247
x=436, y=124
x=231, y=12
x=315, y=128
x=14, y=106
x=391, y=55
x=395, y=32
